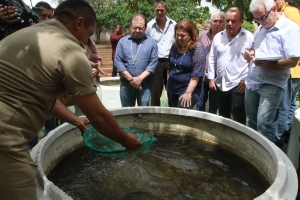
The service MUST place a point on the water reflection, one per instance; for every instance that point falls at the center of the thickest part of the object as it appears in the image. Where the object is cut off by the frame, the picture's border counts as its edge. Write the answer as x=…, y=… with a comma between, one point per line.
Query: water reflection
x=176, y=167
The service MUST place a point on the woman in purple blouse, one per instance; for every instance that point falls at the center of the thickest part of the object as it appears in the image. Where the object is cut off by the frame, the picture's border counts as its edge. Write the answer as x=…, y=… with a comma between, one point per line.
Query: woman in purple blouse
x=96, y=62
x=187, y=67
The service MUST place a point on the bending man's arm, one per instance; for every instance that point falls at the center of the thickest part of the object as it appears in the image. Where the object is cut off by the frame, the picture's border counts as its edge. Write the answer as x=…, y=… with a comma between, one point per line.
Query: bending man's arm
x=104, y=122
x=62, y=112
x=284, y=63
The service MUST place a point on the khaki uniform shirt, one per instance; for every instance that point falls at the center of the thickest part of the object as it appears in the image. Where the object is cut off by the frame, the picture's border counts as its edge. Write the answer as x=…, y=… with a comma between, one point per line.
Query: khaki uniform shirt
x=37, y=64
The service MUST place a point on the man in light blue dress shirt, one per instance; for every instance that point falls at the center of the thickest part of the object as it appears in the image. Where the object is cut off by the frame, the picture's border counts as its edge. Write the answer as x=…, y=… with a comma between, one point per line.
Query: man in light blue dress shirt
x=136, y=60
x=161, y=28
x=275, y=51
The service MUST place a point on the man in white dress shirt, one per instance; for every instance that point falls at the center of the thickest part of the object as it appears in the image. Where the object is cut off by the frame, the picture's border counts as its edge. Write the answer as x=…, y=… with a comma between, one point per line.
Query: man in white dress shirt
x=227, y=67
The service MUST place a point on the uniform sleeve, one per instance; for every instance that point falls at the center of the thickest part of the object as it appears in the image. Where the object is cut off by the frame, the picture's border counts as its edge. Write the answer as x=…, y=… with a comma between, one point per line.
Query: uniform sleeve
x=153, y=59
x=76, y=73
x=118, y=62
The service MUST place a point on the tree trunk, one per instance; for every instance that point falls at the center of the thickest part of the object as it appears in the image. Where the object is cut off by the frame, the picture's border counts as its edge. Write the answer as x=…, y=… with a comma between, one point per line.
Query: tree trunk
x=98, y=33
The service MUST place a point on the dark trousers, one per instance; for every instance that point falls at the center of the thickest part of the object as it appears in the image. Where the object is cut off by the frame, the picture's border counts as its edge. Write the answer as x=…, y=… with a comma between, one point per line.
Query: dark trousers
x=114, y=69
x=212, y=99
x=232, y=102
x=159, y=80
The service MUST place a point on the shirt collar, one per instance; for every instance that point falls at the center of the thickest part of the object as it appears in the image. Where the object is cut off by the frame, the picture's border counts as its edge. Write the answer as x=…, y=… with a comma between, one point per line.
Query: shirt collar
x=242, y=31
x=131, y=38
x=280, y=22
x=284, y=6
x=169, y=21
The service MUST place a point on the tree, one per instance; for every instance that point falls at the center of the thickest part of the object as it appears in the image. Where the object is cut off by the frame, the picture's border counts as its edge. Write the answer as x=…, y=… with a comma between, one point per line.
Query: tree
x=110, y=12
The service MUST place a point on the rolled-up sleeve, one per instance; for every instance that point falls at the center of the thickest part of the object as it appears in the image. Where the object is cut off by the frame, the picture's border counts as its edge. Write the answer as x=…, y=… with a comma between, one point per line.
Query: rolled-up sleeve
x=118, y=60
x=153, y=59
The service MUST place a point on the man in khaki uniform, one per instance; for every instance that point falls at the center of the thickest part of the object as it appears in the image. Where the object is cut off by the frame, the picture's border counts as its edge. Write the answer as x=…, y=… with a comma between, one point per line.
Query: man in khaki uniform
x=38, y=64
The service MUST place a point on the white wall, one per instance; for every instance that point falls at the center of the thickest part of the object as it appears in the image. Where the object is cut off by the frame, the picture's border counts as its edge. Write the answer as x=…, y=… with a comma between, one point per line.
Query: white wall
x=104, y=36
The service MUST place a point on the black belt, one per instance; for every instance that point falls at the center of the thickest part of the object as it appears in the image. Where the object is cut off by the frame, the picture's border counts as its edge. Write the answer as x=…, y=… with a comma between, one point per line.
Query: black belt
x=163, y=59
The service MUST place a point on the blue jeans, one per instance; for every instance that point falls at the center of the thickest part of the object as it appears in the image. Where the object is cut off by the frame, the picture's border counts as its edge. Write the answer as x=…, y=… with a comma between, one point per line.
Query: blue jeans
x=129, y=95
x=212, y=99
x=287, y=107
x=261, y=108
x=232, y=102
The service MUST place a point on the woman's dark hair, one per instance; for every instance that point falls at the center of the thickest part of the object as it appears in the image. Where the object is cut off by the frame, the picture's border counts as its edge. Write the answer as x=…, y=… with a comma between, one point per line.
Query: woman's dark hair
x=70, y=10
x=189, y=27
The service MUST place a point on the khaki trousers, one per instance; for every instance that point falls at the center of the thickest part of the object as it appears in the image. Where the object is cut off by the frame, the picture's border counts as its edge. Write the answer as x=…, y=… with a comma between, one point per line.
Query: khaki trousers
x=17, y=179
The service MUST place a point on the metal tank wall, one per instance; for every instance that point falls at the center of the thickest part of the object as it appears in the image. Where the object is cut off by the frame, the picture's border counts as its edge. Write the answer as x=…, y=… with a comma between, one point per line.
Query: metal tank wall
x=269, y=160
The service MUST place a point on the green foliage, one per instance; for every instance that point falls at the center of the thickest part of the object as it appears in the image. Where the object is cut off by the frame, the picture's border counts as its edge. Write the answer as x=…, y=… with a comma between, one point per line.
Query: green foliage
x=178, y=9
x=184, y=9
x=248, y=26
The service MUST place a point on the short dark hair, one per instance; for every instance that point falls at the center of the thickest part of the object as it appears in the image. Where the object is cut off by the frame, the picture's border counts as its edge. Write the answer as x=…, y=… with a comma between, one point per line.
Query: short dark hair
x=117, y=25
x=139, y=15
x=163, y=2
x=45, y=5
x=70, y=10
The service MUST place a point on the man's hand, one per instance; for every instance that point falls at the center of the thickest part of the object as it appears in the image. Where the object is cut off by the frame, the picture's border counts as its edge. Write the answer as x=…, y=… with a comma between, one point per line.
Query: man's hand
x=242, y=86
x=249, y=55
x=8, y=14
x=136, y=82
x=212, y=85
x=131, y=143
x=80, y=123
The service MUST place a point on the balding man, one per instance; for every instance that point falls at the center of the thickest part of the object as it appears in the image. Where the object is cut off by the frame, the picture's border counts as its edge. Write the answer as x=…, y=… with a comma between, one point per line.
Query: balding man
x=136, y=60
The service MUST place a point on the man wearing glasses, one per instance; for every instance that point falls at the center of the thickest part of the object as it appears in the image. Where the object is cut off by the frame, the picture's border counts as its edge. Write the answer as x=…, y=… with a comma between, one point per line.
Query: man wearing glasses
x=275, y=50
x=136, y=60
x=217, y=22
x=161, y=28
x=227, y=68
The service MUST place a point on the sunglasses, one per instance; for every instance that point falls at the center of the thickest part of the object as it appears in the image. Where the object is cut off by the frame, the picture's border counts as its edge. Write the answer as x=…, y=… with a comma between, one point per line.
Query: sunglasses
x=262, y=18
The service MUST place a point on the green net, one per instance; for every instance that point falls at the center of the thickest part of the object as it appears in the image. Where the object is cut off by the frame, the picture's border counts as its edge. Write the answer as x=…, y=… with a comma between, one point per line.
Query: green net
x=107, y=147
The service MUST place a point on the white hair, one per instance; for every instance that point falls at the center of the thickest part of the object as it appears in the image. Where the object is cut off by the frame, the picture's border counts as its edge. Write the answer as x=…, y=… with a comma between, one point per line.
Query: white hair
x=257, y=4
x=217, y=12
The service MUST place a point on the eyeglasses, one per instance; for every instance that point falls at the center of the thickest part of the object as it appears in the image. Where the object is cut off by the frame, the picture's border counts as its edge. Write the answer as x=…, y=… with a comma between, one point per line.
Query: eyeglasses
x=138, y=28
x=262, y=18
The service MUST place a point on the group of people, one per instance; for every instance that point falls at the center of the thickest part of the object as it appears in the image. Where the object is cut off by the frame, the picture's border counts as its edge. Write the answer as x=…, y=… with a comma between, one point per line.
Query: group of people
x=231, y=67
x=157, y=54
x=219, y=66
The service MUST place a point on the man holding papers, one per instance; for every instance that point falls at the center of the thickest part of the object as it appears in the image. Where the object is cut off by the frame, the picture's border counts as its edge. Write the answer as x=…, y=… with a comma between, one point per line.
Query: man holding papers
x=276, y=45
